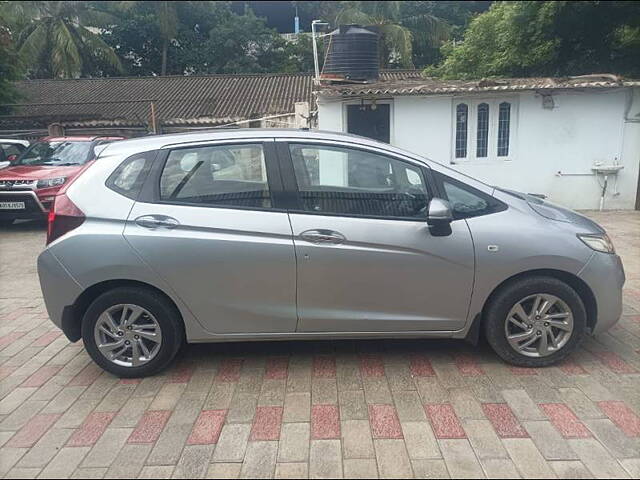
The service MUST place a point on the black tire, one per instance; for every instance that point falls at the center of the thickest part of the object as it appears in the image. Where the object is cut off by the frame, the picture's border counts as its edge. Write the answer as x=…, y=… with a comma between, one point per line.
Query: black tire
x=509, y=295
x=155, y=303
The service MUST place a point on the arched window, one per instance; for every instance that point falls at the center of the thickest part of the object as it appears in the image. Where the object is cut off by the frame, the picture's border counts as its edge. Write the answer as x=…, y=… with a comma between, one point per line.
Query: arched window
x=462, y=121
x=482, y=131
x=504, y=120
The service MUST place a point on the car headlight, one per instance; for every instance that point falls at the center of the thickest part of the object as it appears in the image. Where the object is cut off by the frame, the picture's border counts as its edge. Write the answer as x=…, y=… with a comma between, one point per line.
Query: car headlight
x=50, y=182
x=600, y=242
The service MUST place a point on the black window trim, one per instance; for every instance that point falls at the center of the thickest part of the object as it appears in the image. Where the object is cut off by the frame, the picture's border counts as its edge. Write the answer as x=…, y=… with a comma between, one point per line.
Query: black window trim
x=151, y=189
x=290, y=183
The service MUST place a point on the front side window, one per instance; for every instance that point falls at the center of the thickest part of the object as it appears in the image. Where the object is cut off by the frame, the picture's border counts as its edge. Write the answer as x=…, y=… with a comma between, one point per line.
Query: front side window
x=345, y=181
x=219, y=175
x=465, y=200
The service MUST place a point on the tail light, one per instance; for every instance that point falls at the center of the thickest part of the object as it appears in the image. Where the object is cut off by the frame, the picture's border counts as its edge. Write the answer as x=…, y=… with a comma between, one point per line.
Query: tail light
x=64, y=216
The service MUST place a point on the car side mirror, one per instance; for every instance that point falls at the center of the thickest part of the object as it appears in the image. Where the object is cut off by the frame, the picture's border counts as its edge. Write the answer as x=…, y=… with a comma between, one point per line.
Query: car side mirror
x=439, y=213
x=12, y=158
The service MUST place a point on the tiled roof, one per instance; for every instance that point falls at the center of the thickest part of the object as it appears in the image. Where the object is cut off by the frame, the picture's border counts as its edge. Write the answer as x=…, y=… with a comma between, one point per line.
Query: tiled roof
x=418, y=85
x=178, y=100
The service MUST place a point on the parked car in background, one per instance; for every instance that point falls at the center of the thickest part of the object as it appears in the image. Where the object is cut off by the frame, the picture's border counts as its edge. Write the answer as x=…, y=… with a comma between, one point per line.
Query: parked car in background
x=287, y=234
x=10, y=149
x=29, y=184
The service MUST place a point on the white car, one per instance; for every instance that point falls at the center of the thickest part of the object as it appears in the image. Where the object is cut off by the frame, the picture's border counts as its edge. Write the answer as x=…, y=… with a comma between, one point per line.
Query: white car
x=10, y=149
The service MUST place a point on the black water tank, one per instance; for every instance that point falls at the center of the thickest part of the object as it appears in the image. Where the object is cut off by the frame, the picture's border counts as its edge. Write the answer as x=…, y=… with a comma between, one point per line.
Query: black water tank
x=351, y=54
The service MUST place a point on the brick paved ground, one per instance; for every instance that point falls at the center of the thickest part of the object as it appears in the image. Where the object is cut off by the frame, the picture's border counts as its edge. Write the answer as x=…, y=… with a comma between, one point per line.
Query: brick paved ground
x=355, y=409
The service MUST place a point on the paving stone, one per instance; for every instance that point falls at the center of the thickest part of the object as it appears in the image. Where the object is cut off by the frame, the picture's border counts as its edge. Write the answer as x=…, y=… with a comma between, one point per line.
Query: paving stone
x=465, y=404
x=614, y=439
x=64, y=463
x=129, y=462
x=429, y=469
x=106, y=449
x=260, y=460
x=483, y=439
x=522, y=406
x=499, y=468
x=325, y=459
x=570, y=469
x=297, y=407
x=194, y=461
x=232, y=443
x=392, y=459
x=579, y=403
x=360, y=468
x=9, y=457
x=294, y=443
x=353, y=405
x=460, y=460
x=527, y=458
x=292, y=470
x=224, y=470
x=631, y=465
x=156, y=471
x=356, y=439
x=408, y=406
x=548, y=441
x=420, y=441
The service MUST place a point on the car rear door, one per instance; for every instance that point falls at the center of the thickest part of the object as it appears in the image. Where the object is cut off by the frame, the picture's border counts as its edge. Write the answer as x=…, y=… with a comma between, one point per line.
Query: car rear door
x=208, y=224
x=367, y=260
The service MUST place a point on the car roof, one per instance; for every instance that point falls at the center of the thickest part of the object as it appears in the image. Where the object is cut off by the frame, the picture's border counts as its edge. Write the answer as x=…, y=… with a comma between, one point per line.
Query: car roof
x=14, y=140
x=79, y=138
x=153, y=142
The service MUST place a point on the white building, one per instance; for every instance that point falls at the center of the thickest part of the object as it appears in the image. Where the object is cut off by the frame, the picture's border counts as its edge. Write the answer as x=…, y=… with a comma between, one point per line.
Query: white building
x=535, y=135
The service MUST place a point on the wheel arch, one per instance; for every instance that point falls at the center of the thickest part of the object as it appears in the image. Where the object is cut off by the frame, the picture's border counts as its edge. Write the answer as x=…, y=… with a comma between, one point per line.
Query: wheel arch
x=73, y=314
x=575, y=282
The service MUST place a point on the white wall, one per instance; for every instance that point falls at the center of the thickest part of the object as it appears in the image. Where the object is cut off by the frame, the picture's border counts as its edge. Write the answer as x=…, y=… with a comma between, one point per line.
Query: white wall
x=583, y=128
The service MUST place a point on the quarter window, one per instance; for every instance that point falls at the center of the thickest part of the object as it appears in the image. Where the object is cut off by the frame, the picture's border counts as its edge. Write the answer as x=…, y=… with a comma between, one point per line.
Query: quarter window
x=346, y=181
x=465, y=200
x=130, y=175
x=220, y=175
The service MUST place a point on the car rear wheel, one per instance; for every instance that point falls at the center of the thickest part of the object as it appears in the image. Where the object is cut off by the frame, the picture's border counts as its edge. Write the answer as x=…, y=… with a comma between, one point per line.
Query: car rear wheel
x=132, y=332
x=535, y=321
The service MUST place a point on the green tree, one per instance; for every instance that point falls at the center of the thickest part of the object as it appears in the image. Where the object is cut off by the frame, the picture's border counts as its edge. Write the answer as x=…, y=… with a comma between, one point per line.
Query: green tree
x=54, y=39
x=397, y=32
x=9, y=69
x=547, y=38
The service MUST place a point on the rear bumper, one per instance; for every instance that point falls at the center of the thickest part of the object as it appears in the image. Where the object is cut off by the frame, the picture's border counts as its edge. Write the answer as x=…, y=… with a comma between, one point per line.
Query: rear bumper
x=60, y=291
x=604, y=274
x=33, y=207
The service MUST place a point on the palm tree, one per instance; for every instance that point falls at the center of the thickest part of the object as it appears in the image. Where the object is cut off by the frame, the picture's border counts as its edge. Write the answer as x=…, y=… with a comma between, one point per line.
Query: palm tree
x=55, y=41
x=397, y=33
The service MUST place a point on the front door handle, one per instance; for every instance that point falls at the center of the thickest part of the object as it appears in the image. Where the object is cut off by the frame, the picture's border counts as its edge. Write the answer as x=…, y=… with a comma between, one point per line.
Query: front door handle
x=322, y=236
x=157, y=221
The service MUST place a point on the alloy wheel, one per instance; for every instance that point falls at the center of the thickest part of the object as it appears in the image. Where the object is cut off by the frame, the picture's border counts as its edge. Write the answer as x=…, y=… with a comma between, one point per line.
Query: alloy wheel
x=539, y=325
x=128, y=335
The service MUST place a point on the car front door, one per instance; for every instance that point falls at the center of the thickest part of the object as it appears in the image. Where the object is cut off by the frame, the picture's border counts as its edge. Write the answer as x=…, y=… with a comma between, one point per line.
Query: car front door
x=210, y=229
x=366, y=258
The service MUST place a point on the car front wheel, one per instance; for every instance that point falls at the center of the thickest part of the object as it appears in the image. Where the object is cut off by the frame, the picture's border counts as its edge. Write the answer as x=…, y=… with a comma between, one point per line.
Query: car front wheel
x=132, y=332
x=535, y=321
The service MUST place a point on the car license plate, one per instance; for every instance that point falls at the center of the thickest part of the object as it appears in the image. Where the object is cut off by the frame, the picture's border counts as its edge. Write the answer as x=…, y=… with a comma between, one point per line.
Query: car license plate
x=11, y=205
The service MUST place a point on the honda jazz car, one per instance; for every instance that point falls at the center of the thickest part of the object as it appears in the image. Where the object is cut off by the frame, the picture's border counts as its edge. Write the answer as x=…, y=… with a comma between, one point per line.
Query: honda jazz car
x=29, y=184
x=286, y=234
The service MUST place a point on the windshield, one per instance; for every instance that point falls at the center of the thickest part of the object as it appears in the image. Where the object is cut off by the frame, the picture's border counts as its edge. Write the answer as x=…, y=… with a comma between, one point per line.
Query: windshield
x=55, y=154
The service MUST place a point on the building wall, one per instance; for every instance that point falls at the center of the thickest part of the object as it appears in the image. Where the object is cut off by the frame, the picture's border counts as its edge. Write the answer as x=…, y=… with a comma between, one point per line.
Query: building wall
x=581, y=129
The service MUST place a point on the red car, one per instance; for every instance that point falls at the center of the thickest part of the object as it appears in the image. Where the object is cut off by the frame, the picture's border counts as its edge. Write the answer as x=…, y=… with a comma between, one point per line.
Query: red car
x=29, y=184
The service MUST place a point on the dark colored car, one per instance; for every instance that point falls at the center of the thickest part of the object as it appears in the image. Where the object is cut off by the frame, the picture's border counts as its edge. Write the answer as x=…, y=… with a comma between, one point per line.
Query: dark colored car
x=29, y=184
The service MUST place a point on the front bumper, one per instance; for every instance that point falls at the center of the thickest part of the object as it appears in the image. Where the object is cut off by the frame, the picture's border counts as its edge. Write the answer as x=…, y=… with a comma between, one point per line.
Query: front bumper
x=33, y=207
x=60, y=291
x=604, y=274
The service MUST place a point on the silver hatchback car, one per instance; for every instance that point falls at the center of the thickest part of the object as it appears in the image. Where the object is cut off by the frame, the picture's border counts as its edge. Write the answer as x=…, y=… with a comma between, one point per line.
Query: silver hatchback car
x=289, y=234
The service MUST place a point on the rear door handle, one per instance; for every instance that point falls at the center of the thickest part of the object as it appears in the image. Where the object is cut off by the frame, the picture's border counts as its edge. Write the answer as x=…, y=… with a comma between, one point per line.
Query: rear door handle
x=157, y=221
x=322, y=236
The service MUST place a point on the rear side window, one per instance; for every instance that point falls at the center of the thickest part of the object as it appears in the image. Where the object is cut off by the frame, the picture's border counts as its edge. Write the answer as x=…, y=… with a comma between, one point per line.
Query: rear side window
x=129, y=177
x=465, y=200
x=217, y=175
